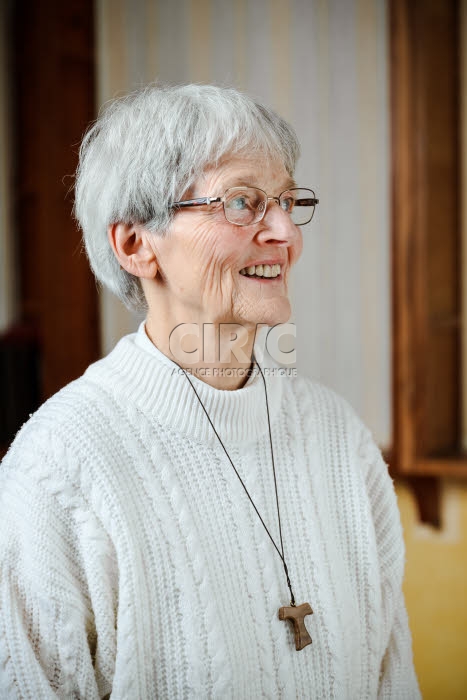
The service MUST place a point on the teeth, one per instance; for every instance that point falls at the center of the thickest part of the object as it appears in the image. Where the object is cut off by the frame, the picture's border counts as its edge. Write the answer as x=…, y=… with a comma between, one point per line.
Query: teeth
x=261, y=270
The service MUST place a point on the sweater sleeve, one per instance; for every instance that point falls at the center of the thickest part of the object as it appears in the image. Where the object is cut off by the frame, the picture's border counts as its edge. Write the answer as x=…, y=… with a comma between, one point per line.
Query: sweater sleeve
x=48, y=542
x=397, y=680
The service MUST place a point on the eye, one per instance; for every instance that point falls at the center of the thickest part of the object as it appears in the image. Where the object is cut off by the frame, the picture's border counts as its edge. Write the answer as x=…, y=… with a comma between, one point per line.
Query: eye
x=240, y=203
x=243, y=200
x=287, y=202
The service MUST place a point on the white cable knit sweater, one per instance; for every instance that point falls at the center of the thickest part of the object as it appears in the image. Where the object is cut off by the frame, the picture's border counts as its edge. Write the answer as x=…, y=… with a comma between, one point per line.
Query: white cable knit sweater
x=132, y=562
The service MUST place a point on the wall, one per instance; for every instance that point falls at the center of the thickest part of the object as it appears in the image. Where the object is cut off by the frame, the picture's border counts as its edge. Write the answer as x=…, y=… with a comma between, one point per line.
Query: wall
x=435, y=591
x=323, y=65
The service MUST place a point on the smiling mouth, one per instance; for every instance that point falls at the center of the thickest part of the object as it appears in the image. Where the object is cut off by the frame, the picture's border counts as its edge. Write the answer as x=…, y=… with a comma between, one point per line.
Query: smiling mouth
x=262, y=272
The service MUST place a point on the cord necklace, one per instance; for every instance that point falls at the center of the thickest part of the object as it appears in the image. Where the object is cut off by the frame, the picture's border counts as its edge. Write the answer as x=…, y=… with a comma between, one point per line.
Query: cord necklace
x=294, y=613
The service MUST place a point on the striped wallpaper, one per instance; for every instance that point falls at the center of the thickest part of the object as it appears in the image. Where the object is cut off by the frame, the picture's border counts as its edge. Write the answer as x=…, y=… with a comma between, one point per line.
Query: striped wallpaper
x=323, y=65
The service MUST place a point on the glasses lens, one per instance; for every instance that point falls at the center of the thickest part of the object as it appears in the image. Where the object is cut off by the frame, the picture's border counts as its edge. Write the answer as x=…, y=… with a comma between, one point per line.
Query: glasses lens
x=300, y=204
x=244, y=205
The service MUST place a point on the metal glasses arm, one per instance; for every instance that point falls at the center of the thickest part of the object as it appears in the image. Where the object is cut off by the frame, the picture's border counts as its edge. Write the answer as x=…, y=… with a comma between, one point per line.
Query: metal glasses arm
x=195, y=202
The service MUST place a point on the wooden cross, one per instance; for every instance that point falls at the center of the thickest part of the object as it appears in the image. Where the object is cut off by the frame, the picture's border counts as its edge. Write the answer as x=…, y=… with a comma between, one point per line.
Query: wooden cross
x=296, y=613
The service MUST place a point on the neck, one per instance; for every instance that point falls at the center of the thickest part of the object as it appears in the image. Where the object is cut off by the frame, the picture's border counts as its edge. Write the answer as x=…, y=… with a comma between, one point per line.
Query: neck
x=220, y=354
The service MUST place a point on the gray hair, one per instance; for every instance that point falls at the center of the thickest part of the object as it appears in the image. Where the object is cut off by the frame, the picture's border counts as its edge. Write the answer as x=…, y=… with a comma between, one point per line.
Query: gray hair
x=146, y=149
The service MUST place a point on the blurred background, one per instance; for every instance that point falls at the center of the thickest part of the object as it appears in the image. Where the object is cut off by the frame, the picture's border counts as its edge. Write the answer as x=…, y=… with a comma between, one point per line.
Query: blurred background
x=376, y=91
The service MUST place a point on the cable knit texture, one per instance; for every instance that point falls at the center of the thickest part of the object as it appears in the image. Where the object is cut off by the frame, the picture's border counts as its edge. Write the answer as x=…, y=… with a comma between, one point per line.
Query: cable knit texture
x=133, y=564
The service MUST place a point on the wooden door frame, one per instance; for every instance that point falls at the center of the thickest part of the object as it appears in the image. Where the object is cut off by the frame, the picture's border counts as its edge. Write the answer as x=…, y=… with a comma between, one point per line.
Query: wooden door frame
x=53, y=102
x=424, y=40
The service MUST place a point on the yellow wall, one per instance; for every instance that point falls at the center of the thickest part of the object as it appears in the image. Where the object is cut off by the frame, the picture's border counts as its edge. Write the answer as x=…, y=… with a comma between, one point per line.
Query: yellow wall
x=435, y=590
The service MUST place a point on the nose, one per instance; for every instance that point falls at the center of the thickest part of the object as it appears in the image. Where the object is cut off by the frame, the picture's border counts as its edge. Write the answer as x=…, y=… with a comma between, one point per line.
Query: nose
x=277, y=225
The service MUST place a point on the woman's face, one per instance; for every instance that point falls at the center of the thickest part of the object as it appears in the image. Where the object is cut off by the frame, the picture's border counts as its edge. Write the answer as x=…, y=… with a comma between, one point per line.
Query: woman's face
x=200, y=258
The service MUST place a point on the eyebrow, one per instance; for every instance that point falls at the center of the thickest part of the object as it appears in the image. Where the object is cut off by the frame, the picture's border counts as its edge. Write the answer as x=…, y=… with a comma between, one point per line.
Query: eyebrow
x=252, y=182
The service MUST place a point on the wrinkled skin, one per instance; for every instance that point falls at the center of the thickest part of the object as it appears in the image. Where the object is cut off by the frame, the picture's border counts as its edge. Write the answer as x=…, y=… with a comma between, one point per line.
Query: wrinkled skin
x=200, y=258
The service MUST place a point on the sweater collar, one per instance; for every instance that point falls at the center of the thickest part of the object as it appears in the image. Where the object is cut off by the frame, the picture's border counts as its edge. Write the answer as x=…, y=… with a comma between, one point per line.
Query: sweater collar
x=156, y=384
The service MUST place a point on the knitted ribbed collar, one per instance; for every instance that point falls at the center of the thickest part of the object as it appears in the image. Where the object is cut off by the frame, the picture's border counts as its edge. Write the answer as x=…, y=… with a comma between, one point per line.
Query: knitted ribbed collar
x=147, y=377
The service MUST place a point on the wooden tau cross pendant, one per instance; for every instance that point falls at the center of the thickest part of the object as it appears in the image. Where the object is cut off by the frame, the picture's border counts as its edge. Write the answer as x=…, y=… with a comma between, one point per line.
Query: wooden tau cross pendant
x=296, y=613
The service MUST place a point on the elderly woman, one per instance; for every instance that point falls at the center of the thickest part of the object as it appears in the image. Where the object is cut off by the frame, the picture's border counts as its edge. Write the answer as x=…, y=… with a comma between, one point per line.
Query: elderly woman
x=182, y=521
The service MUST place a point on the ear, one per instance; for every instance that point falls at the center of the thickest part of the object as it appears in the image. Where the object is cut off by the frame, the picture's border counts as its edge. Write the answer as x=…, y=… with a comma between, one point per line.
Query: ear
x=133, y=250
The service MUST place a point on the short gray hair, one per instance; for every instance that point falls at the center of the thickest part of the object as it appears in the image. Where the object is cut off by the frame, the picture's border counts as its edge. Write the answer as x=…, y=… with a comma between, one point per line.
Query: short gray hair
x=146, y=149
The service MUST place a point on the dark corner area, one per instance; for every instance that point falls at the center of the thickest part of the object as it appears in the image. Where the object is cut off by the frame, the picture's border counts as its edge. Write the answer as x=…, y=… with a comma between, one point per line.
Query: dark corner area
x=50, y=99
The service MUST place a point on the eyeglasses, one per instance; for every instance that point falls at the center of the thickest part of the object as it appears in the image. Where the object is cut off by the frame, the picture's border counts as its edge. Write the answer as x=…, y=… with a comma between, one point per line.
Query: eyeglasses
x=247, y=205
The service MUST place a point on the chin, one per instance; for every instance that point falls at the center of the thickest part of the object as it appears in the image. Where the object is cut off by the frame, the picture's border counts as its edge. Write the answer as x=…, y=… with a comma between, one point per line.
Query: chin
x=272, y=313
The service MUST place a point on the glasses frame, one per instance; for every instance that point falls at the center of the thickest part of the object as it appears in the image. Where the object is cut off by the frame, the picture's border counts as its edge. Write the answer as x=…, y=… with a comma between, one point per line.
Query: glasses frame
x=200, y=201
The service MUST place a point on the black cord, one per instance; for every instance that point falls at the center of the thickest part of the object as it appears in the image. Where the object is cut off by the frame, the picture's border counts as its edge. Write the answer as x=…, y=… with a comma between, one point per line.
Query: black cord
x=292, y=600
x=281, y=554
